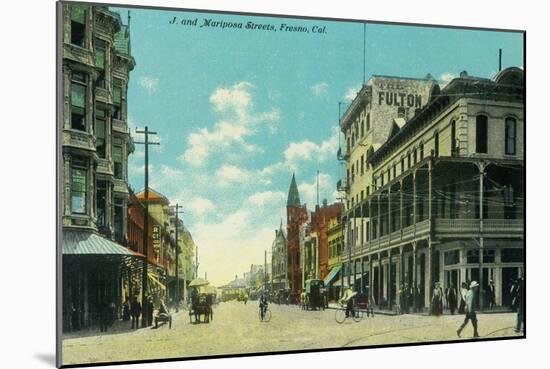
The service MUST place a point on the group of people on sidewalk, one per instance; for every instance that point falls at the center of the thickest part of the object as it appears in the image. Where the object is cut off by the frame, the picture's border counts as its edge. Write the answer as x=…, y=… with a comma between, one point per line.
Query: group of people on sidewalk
x=134, y=311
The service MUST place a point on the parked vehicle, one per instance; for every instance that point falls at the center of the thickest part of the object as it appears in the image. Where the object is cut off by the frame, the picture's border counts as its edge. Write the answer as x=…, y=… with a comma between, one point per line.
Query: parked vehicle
x=315, y=294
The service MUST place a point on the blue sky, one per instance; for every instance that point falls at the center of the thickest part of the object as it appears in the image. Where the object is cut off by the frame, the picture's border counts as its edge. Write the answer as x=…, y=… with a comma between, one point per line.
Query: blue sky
x=237, y=111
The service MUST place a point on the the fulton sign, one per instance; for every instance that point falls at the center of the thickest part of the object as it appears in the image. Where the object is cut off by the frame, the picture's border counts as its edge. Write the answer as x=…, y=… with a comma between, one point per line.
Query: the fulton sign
x=400, y=99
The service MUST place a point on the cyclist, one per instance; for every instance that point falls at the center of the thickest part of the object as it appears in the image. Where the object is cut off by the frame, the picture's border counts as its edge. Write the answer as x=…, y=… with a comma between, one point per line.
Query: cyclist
x=263, y=305
x=347, y=299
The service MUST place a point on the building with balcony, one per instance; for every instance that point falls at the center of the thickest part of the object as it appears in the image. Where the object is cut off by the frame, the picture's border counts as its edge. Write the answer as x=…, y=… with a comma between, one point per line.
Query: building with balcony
x=95, y=66
x=279, y=260
x=444, y=196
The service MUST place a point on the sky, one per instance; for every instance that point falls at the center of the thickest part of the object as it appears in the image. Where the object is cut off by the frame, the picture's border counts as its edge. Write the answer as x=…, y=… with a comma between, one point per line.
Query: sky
x=238, y=111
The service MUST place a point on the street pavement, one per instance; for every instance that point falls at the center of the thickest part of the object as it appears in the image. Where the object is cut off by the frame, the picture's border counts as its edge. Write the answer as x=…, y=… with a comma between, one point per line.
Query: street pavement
x=236, y=329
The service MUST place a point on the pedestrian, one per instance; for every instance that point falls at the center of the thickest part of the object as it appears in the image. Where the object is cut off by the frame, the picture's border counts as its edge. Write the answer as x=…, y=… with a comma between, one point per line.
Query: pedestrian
x=463, y=292
x=470, y=310
x=450, y=295
x=126, y=310
x=150, y=311
x=437, y=300
x=136, y=312
x=520, y=300
x=491, y=295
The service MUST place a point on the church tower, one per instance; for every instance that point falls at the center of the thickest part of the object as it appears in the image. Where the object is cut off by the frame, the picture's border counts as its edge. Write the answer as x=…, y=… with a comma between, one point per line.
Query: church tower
x=296, y=215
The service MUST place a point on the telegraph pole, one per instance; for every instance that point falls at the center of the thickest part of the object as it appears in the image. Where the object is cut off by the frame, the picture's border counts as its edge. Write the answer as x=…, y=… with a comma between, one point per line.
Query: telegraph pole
x=144, y=276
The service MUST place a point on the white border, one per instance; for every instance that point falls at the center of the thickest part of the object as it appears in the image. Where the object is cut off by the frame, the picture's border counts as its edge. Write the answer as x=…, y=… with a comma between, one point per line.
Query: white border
x=28, y=181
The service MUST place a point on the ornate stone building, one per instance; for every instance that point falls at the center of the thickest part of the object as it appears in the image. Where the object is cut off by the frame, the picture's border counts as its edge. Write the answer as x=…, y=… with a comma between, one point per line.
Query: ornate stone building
x=96, y=62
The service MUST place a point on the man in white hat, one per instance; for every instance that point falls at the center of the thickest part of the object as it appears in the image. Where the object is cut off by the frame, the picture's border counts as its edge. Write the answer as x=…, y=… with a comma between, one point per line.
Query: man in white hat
x=470, y=310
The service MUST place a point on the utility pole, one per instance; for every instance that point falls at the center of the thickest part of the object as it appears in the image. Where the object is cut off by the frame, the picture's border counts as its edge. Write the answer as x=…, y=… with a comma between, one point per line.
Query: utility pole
x=144, y=276
x=177, y=297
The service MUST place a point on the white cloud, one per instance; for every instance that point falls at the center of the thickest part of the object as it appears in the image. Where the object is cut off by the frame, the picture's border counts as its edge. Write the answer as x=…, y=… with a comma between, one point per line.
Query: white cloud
x=310, y=151
x=149, y=83
x=446, y=78
x=232, y=173
x=351, y=93
x=267, y=197
x=320, y=89
x=238, y=120
x=308, y=190
x=199, y=206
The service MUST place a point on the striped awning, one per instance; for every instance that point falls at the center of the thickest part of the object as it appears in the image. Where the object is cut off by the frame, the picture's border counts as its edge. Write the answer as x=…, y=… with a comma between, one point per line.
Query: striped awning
x=89, y=243
x=330, y=277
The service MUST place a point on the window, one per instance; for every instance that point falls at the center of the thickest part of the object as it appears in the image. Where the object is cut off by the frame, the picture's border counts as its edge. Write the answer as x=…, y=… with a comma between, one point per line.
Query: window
x=415, y=156
x=352, y=140
x=436, y=144
x=118, y=219
x=381, y=179
x=368, y=122
x=452, y=257
x=421, y=151
x=362, y=128
x=101, y=203
x=117, y=156
x=511, y=255
x=394, y=170
x=368, y=190
x=79, y=172
x=510, y=136
x=362, y=165
x=100, y=56
x=389, y=175
x=488, y=256
x=117, y=98
x=100, y=127
x=78, y=102
x=453, y=139
x=481, y=134
x=402, y=165
x=78, y=25
x=472, y=256
x=401, y=112
x=409, y=160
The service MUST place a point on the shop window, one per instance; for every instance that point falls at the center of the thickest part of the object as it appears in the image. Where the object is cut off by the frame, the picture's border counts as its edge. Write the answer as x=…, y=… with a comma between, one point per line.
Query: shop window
x=78, y=25
x=481, y=134
x=79, y=184
x=78, y=102
x=510, y=136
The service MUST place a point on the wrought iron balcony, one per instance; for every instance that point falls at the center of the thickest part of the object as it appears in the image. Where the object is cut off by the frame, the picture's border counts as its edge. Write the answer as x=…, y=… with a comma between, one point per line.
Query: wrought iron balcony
x=342, y=154
x=342, y=185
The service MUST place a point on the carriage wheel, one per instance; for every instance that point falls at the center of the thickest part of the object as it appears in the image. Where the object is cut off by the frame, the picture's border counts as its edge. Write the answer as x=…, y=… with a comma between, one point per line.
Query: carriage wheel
x=267, y=316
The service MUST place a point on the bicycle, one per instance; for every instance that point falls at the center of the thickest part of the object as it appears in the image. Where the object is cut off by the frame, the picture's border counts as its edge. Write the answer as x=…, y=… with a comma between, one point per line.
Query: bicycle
x=265, y=314
x=340, y=314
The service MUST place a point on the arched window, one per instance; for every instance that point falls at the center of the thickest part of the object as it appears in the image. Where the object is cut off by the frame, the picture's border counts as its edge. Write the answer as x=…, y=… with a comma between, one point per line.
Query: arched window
x=510, y=136
x=481, y=134
x=368, y=122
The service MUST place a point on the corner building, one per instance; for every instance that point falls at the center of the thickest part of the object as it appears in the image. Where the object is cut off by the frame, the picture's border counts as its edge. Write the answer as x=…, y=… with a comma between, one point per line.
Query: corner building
x=439, y=193
x=96, y=63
